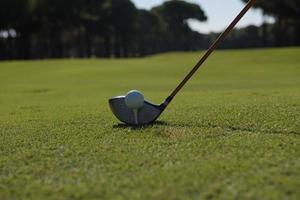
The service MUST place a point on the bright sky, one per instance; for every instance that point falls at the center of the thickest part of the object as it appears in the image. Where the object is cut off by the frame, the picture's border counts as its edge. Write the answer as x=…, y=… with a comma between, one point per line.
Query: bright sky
x=219, y=12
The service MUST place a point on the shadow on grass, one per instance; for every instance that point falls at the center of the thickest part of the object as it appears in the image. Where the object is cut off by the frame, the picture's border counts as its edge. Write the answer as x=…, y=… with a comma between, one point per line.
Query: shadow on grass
x=139, y=127
x=232, y=129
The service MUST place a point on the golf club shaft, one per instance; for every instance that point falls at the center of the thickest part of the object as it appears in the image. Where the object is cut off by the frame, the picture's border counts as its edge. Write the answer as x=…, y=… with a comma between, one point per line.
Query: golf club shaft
x=211, y=49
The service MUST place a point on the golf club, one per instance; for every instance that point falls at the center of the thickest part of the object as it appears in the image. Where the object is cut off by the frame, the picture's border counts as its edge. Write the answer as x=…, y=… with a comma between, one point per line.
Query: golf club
x=149, y=112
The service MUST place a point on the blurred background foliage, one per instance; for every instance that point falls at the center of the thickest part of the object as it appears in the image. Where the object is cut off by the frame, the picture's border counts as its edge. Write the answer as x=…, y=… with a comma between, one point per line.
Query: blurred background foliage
x=35, y=29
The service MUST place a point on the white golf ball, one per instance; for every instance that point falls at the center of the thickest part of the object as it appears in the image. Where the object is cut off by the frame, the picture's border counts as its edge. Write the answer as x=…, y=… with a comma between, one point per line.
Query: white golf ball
x=134, y=99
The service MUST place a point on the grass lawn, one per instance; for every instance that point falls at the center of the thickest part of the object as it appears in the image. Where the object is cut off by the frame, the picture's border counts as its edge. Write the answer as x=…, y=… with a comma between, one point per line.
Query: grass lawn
x=232, y=133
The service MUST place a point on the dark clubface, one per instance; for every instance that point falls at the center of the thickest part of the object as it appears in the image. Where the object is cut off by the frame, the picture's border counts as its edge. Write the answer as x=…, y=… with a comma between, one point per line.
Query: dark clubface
x=147, y=114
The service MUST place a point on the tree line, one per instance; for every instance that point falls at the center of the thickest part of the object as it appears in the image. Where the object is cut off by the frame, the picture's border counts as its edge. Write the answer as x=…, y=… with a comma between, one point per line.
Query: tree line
x=286, y=29
x=35, y=29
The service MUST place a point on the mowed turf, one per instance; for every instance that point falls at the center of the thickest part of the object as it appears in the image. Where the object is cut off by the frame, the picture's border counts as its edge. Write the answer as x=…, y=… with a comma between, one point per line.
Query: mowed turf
x=232, y=133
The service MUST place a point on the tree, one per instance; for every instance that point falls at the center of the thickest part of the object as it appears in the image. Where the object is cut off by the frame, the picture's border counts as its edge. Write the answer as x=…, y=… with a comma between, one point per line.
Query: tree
x=287, y=15
x=17, y=15
x=54, y=20
x=123, y=16
x=150, y=31
x=176, y=14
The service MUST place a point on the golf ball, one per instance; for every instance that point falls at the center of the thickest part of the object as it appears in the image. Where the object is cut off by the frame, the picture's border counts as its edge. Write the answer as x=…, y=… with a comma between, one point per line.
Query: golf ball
x=134, y=99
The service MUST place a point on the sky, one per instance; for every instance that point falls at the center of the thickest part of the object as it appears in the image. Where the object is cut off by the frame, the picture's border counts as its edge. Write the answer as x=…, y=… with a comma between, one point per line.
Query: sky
x=219, y=12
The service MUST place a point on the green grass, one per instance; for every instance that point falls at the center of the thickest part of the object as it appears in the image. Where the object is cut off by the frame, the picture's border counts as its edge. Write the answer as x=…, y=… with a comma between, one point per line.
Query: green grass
x=232, y=133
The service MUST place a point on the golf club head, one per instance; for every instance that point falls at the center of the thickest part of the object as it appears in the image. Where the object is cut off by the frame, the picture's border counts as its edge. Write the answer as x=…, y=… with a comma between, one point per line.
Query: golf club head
x=147, y=114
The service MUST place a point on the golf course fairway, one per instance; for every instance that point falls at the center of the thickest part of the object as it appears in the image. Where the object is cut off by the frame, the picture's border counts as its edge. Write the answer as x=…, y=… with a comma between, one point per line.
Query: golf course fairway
x=232, y=133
